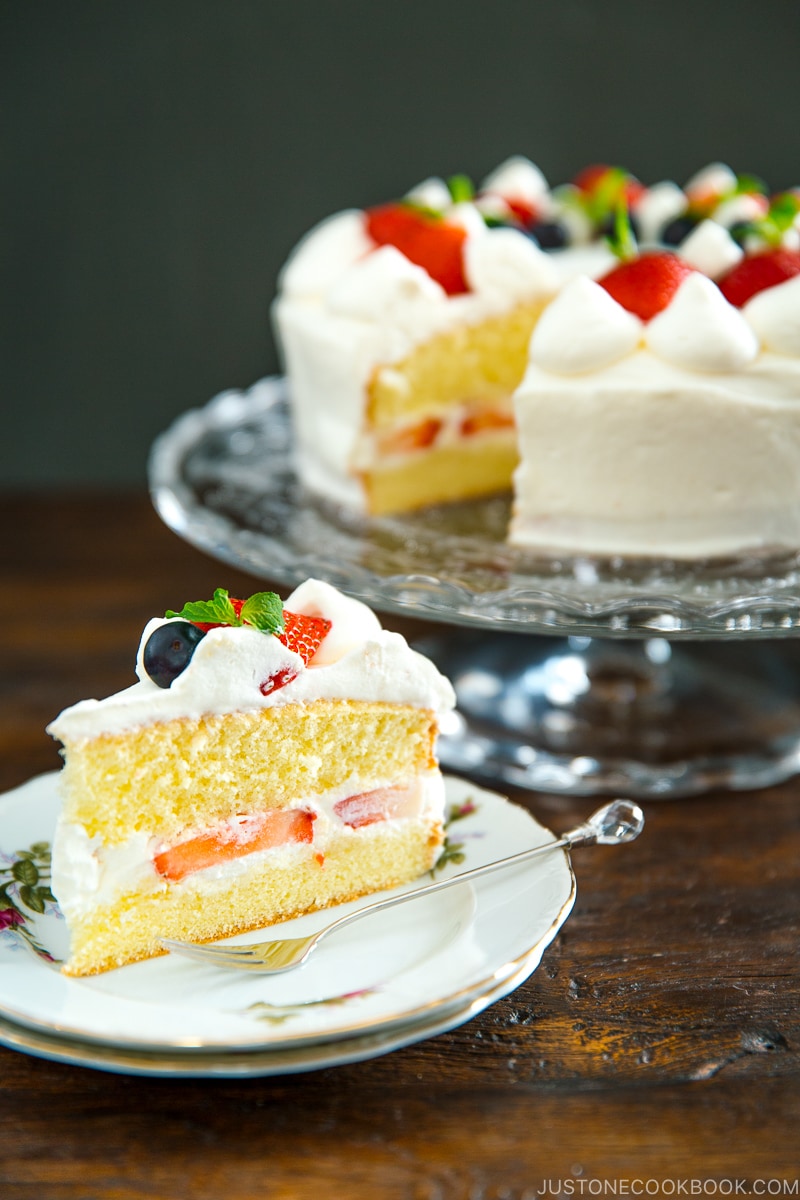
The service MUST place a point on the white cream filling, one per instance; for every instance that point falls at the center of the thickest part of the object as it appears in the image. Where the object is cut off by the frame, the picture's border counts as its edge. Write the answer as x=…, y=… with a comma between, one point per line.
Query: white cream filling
x=373, y=450
x=88, y=874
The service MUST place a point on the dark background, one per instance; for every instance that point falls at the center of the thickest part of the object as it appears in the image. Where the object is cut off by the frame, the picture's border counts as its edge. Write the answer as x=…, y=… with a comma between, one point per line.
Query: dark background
x=159, y=160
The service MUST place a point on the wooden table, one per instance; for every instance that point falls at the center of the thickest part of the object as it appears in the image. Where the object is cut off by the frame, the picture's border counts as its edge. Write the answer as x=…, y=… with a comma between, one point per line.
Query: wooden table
x=658, y=1046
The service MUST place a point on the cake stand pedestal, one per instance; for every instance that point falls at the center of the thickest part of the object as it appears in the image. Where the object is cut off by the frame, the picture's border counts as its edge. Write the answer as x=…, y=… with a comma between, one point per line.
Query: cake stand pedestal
x=572, y=676
x=649, y=718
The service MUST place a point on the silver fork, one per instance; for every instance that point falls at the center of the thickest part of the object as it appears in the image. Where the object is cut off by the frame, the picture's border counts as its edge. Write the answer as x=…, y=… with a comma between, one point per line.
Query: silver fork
x=614, y=823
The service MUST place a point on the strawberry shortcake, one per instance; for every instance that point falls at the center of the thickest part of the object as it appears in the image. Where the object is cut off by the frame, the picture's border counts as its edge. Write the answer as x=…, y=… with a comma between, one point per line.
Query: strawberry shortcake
x=271, y=760
x=623, y=357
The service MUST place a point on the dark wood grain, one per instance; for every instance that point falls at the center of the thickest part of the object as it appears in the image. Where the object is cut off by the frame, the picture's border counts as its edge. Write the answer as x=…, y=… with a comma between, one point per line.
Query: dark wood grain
x=659, y=1040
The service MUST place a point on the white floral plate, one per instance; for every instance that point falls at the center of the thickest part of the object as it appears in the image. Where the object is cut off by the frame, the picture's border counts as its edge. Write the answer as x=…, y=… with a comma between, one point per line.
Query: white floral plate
x=392, y=979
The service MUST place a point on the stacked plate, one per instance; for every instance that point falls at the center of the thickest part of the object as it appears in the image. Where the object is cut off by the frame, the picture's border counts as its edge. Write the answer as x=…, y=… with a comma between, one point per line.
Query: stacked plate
x=396, y=978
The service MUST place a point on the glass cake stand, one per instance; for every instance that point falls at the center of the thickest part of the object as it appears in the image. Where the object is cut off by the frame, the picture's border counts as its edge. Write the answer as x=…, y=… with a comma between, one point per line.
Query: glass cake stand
x=574, y=675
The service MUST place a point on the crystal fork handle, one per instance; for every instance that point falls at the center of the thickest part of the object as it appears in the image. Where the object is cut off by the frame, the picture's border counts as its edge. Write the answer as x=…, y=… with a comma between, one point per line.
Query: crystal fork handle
x=616, y=822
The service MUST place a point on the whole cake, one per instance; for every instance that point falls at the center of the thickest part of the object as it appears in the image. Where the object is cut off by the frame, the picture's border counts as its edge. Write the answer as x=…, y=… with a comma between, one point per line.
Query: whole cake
x=269, y=762
x=656, y=329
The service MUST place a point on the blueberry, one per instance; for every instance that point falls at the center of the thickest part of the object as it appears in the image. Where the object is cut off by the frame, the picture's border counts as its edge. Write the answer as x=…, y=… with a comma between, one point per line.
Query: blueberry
x=551, y=235
x=169, y=649
x=674, y=232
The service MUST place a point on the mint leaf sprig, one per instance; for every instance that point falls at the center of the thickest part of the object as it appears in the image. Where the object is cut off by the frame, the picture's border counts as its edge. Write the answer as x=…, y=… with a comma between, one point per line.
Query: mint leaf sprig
x=461, y=188
x=748, y=185
x=262, y=610
x=424, y=210
x=776, y=221
x=621, y=241
x=604, y=198
x=779, y=218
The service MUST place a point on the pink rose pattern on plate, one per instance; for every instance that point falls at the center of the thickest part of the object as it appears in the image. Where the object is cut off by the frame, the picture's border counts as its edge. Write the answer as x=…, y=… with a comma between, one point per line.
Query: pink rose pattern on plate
x=25, y=892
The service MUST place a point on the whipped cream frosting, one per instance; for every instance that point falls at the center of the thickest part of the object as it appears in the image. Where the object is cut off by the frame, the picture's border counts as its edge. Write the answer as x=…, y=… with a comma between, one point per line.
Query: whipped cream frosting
x=583, y=329
x=517, y=179
x=774, y=315
x=432, y=193
x=711, y=249
x=385, y=287
x=716, y=179
x=660, y=204
x=701, y=331
x=659, y=461
x=506, y=263
x=358, y=660
x=468, y=217
x=332, y=266
x=744, y=207
x=324, y=254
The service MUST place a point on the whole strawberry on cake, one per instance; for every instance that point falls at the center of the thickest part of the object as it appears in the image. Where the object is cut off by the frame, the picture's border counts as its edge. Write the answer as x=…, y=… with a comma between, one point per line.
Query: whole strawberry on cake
x=270, y=761
x=407, y=330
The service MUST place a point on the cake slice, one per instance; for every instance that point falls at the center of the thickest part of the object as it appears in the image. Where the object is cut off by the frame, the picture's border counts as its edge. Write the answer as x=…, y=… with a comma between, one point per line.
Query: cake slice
x=269, y=762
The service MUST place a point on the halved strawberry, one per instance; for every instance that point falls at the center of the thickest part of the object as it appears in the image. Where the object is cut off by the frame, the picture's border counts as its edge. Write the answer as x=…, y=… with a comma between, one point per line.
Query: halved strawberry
x=758, y=272
x=277, y=827
x=645, y=285
x=303, y=634
x=427, y=241
x=525, y=212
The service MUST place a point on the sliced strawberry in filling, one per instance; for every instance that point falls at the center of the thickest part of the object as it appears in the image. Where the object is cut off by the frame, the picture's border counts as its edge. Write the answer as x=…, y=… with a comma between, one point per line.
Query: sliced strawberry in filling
x=234, y=839
x=484, y=420
x=366, y=808
x=282, y=827
x=410, y=437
